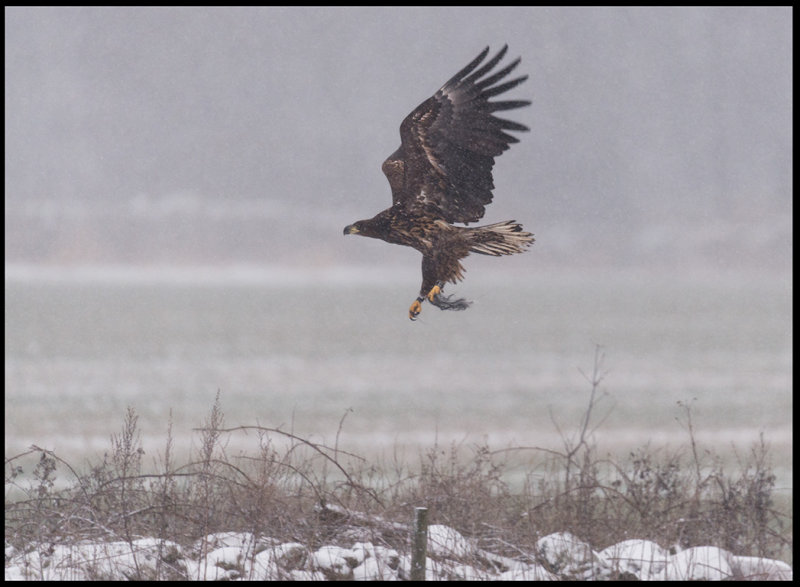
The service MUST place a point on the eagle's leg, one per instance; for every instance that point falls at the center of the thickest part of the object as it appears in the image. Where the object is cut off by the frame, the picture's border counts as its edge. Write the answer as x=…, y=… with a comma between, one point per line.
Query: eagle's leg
x=416, y=308
x=435, y=291
x=433, y=297
x=432, y=286
x=443, y=302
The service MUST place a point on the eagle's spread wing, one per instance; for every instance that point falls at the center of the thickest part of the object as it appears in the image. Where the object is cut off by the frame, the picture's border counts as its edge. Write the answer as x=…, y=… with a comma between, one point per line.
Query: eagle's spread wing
x=449, y=142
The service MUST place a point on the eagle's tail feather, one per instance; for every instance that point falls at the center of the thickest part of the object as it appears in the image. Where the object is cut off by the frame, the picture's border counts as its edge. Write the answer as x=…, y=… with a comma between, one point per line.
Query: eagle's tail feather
x=501, y=238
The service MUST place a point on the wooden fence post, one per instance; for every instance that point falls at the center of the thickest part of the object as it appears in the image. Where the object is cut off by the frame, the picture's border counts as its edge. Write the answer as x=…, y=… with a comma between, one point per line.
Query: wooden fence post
x=419, y=544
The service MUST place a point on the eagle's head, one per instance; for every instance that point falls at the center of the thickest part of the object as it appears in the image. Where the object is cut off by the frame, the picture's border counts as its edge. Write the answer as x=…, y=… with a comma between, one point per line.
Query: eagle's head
x=378, y=227
x=374, y=227
x=354, y=228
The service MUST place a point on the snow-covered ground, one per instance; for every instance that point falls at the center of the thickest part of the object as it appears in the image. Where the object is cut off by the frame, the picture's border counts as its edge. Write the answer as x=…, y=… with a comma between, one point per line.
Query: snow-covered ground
x=239, y=556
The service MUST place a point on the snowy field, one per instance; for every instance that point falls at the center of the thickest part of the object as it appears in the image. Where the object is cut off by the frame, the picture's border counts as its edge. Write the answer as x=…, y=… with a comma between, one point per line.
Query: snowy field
x=89, y=344
x=89, y=348
x=451, y=556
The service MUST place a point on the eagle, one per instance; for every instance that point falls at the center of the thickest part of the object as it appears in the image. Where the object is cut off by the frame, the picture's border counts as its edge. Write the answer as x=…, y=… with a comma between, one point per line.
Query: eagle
x=442, y=176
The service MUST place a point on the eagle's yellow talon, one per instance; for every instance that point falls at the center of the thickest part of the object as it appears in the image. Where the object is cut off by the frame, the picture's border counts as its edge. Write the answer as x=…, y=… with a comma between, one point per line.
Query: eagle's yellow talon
x=414, y=310
x=435, y=291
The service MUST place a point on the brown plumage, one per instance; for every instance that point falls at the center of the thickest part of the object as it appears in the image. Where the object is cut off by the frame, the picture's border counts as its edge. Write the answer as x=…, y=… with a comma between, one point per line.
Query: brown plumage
x=442, y=174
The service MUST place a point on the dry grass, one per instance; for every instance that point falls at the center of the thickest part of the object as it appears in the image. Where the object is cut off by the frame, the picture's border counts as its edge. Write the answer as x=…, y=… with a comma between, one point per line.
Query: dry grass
x=315, y=494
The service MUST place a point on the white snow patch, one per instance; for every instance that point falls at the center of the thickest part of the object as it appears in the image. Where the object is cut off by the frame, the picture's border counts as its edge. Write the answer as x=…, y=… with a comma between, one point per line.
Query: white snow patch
x=241, y=556
x=444, y=541
x=570, y=556
x=700, y=563
x=526, y=572
x=373, y=569
x=642, y=558
x=753, y=568
x=333, y=558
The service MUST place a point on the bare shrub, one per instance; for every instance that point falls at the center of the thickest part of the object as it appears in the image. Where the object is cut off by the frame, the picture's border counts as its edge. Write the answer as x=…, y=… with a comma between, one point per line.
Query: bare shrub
x=292, y=489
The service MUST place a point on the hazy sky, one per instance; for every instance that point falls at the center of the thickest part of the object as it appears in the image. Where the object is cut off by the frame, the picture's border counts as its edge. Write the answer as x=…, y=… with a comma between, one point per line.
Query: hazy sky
x=134, y=133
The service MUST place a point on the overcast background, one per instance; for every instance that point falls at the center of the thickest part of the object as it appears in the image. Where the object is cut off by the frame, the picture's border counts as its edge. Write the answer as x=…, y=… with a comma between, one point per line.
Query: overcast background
x=660, y=137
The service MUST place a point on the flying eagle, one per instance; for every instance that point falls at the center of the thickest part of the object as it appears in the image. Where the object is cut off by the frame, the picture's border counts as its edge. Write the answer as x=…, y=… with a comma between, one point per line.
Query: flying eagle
x=442, y=174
